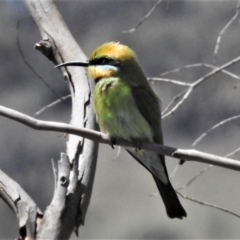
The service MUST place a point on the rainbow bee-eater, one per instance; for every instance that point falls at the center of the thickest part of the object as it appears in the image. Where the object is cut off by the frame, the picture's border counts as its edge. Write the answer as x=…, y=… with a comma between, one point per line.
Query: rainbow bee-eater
x=127, y=108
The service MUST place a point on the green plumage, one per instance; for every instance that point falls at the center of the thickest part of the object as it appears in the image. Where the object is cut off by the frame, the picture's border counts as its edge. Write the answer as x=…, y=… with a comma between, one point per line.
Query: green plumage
x=117, y=113
x=127, y=108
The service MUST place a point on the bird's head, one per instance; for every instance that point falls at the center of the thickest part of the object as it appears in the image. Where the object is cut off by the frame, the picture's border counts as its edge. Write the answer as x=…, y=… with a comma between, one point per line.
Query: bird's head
x=111, y=59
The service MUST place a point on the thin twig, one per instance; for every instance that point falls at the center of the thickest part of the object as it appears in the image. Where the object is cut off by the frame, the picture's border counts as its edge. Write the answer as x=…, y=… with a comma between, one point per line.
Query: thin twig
x=178, y=96
x=208, y=204
x=223, y=31
x=174, y=171
x=200, y=81
x=118, y=153
x=52, y=104
x=146, y=16
x=30, y=67
x=169, y=81
x=199, y=65
x=195, y=177
x=182, y=68
x=233, y=153
x=228, y=120
x=204, y=170
x=175, y=99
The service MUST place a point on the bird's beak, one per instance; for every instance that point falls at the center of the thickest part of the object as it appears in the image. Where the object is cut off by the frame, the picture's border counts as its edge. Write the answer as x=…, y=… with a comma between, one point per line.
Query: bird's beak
x=74, y=63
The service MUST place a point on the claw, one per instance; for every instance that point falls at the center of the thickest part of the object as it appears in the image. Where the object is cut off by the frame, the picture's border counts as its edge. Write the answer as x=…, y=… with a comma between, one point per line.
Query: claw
x=112, y=141
x=138, y=145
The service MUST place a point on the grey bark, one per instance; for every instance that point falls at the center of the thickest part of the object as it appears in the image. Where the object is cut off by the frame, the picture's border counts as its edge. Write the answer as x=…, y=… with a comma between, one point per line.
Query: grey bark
x=185, y=154
x=28, y=214
x=74, y=174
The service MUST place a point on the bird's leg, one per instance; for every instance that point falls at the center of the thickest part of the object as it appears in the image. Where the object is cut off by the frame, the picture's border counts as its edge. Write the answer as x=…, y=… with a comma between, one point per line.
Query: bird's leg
x=112, y=141
x=137, y=144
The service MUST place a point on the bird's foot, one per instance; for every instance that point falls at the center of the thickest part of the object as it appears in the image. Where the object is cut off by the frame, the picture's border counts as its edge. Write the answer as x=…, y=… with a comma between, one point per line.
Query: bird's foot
x=181, y=162
x=112, y=141
x=137, y=145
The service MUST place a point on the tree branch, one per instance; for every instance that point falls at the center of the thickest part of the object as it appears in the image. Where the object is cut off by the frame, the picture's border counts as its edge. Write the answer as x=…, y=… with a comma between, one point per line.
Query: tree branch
x=52, y=104
x=143, y=19
x=195, y=84
x=208, y=204
x=58, y=45
x=187, y=155
x=55, y=217
x=194, y=65
x=228, y=120
x=236, y=16
x=26, y=210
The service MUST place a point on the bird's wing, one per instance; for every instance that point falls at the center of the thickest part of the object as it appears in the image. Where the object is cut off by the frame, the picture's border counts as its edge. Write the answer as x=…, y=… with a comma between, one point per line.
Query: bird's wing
x=149, y=106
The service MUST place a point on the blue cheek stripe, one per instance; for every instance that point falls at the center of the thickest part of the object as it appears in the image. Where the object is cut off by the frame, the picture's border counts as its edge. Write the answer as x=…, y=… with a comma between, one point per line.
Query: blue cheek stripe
x=108, y=67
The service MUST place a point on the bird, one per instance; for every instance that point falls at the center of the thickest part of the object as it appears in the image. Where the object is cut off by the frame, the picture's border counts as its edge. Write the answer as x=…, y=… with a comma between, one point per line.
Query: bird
x=127, y=108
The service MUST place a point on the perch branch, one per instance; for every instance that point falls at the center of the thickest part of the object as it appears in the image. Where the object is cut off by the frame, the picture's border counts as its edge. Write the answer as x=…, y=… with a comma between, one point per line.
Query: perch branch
x=187, y=155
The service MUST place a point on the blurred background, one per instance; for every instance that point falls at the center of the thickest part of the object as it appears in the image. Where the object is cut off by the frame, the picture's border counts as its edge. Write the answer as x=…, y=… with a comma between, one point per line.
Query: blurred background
x=122, y=204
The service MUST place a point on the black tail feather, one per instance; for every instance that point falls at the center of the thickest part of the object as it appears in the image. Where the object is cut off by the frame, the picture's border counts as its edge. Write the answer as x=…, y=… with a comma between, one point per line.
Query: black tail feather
x=173, y=206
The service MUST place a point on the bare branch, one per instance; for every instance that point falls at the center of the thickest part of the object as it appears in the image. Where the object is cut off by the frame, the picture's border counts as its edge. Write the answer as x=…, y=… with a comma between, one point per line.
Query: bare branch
x=208, y=204
x=204, y=170
x=187, y=155
x=58, y=45
x=223, y=31
x=199, y=65
x=228, y=120
x=170, y=81
x=56, y=220
x=30, y=66
x=143, y=20
x=200, y=81
x=29, y=215
x=233, y=153
x=52, y=104
x=195, y=177
x=174, y=171
x=118, y=153
x=175, y=99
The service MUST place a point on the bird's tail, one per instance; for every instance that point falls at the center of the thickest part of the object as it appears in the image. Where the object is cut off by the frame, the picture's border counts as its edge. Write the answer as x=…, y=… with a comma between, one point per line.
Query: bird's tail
x=155, y=163
x=173, y=206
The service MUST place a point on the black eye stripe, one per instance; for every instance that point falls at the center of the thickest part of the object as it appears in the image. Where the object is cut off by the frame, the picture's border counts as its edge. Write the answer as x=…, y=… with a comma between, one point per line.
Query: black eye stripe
x=105, y=61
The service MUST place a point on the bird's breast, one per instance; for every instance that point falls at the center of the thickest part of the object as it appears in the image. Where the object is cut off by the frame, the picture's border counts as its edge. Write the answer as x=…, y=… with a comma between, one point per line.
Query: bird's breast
x=117, y=113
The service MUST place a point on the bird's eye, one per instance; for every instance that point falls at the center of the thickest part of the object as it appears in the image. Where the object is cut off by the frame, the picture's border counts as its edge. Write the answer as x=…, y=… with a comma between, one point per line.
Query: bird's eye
x=105, y=61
